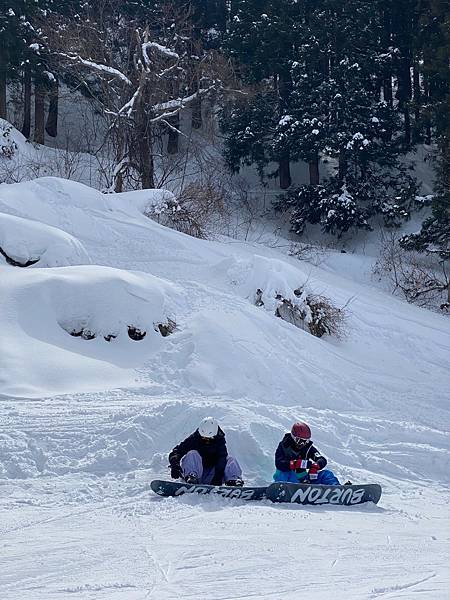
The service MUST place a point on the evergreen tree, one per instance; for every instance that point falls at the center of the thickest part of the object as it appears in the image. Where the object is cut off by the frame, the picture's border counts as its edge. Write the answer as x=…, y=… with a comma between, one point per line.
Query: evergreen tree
x=262, y=40
x=16, y=34
x=434, y=236
x=337, y=110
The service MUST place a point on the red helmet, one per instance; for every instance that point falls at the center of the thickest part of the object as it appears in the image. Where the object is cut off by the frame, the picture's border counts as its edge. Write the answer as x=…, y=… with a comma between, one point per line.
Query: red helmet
x=300, y=432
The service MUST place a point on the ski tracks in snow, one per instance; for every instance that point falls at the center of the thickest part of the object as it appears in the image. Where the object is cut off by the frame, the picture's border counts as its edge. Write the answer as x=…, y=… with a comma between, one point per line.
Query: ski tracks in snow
x=79, y=521
x=387, y=592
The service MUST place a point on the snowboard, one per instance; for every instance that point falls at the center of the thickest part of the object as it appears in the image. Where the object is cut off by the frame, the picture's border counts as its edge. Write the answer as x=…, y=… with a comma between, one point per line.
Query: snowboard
x=174, y=488
x=346, y=495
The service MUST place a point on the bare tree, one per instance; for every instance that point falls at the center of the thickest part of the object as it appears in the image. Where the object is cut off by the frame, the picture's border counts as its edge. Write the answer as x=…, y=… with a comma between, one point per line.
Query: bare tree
x=141, y=87
x=421, y=279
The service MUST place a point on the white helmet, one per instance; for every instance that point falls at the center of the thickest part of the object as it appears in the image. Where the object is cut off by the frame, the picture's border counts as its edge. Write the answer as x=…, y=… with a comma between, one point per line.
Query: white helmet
x=209, y=427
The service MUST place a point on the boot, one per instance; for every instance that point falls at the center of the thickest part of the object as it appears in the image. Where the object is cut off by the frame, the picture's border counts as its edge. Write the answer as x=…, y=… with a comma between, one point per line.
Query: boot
x=238, y=482
x=192, y=479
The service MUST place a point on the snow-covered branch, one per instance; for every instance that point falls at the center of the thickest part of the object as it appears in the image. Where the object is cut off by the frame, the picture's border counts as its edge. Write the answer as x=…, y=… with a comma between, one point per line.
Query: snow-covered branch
x=178, y=103
x=175, y=129
x=161, y=49
x=128, y=107
x=97, y=67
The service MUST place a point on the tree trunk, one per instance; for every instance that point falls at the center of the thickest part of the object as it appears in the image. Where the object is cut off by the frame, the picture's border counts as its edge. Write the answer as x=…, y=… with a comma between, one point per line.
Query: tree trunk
x=146, y=159
x=196, y=106
x=342, y=165
x=39, y=113
x=26, y=127
x=3, y=68
x=387, y=90
x=427, y=125
x=285, y=172
x=407, y=125
x=284, y=92
x=220, y=15
x=402, y=36
x=51, y=126
x=197, y=120
x=417, y=131
x=386, y=39
x=118, y=182
x=314, y=177
x=119, y=146
x=145, y=145
x=173, y=139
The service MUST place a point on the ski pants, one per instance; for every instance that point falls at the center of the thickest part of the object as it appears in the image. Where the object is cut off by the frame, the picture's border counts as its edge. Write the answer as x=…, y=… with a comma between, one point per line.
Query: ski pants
x=192, y=464
x=324, y=477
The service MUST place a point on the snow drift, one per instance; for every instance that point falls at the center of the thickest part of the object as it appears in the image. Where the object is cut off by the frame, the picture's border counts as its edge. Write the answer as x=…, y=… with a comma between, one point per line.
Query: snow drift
x=28, y=243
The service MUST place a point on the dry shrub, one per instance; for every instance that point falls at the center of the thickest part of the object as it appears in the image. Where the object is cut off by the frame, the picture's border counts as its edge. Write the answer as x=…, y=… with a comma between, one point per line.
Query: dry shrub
x=420, y=278
x=196, y=211
x=308, y=252
x=325, y=317
x=204, y=205
x=166, y=329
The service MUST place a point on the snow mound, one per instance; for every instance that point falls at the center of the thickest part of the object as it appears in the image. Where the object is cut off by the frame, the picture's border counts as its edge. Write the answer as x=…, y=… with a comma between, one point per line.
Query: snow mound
x=272, y=276
x=58, y=202
x=27, y=243
x=56, y=324
x=71, y=206
x=143, y=201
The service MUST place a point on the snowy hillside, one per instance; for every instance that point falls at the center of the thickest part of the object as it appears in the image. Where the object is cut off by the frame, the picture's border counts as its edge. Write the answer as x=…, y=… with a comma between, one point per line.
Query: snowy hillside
x=94, y=394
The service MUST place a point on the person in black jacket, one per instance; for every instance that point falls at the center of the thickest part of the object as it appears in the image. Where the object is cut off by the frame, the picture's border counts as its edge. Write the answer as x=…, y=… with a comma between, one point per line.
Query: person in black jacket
x=203, y=457
x=297, y=460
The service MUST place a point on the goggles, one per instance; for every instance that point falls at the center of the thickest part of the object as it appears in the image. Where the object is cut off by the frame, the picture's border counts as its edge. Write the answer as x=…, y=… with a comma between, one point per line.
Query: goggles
x=299, y=441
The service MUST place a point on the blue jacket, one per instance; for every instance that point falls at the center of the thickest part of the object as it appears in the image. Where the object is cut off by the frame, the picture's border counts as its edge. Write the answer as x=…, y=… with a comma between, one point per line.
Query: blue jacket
x=287, y=451
x=213, y=453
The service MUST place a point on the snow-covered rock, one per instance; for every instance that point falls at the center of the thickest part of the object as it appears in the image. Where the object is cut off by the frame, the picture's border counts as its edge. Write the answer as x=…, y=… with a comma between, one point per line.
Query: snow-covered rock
x=56, y=324
x=27, y=242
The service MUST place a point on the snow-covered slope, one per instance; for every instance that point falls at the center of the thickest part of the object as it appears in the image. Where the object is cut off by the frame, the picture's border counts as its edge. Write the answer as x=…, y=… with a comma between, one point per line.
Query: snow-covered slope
x=75, y=468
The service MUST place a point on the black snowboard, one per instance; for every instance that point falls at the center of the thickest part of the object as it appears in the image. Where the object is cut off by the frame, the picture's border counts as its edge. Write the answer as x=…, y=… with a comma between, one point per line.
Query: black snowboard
x=347, y=495
x=174, y=488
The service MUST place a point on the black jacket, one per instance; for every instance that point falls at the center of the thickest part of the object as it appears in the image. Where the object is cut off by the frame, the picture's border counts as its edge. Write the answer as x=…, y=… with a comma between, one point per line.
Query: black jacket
x=288, y=451
x=214, y=453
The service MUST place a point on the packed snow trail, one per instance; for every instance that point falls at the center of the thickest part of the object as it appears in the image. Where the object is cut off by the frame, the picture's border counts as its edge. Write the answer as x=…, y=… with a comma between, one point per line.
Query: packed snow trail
x=86, y=424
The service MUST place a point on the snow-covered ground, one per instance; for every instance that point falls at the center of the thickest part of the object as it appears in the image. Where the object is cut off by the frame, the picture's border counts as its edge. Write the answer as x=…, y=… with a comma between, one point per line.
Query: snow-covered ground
x=86, y=424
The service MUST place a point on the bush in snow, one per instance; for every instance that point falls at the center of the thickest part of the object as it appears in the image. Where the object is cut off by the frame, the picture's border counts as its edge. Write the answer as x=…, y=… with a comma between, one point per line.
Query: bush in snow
x=313, y=253
x=335, y=209
x=8, y=146
x=420, y=278
x=193, y=211
x=167, y=328
x=339, y=207
x=433, y=239
x=310, y=312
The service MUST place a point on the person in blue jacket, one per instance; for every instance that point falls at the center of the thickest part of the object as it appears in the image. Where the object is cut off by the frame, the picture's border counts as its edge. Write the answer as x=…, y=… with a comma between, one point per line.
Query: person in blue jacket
x=297, y=460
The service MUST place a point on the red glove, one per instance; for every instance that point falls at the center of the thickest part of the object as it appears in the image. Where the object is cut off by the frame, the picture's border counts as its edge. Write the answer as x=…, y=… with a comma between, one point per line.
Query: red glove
x=313, y=470
x=299, y=464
